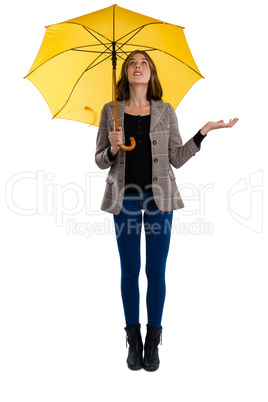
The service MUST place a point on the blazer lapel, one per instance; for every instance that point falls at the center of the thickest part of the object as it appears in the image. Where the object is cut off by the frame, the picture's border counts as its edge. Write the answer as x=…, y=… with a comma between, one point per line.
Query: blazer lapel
x=120, y=112
x=157, y=113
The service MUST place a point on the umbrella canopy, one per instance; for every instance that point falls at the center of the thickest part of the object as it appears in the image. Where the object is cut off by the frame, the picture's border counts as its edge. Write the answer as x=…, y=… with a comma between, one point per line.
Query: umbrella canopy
x=73, y=68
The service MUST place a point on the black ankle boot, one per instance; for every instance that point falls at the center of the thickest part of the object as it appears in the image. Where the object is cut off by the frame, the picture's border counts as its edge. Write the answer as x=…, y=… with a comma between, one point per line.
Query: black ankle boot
x=134, y=359
x=152, y=340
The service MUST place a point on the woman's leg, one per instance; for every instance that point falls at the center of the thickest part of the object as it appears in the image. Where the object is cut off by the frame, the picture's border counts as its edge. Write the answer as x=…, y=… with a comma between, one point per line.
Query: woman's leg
x=157, y=225
x=128, y=234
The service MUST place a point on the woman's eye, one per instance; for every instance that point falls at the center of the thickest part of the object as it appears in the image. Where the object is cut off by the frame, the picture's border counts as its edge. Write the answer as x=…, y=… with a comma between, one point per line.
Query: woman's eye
x=131, y=63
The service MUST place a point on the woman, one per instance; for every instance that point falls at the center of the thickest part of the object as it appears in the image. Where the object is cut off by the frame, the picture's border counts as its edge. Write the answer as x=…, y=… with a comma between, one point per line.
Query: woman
x=142, y=179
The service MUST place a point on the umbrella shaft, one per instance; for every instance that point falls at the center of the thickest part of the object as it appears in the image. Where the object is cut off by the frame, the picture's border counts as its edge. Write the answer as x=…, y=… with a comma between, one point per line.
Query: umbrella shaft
x=114, y=55
x=115, y=100
x=114, y=85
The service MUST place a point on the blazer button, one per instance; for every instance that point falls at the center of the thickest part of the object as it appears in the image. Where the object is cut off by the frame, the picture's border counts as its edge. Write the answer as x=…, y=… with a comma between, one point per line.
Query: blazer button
x=155, y=178
x=154, y=142
x=155, y=160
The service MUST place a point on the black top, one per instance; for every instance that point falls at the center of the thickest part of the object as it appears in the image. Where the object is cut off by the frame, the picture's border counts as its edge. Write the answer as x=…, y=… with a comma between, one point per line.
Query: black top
x=138, y=168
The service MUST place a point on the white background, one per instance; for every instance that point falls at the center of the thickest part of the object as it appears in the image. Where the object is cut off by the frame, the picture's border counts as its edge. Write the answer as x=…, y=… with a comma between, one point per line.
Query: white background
x=62, y=325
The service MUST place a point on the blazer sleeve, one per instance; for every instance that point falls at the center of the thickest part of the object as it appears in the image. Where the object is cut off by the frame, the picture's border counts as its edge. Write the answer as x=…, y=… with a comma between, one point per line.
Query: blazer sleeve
x=102, y=143
x=179, y=154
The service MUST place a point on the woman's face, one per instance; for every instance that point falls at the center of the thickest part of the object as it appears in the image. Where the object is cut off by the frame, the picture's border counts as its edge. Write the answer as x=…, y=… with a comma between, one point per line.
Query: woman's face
x=138, y=69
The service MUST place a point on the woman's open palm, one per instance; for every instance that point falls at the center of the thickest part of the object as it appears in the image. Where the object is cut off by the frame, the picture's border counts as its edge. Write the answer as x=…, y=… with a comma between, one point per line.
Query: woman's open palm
x=220, y=124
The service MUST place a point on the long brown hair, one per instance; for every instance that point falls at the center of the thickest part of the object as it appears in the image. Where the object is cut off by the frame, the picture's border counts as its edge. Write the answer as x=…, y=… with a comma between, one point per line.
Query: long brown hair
x=154, y=91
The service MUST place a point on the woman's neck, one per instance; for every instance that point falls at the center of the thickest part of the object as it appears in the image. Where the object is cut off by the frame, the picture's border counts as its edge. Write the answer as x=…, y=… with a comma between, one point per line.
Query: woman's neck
x=137, y=96
x=138, y=102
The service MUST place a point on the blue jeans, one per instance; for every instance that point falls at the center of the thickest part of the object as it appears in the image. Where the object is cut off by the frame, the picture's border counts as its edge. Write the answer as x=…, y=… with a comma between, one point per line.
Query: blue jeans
x=157, y=227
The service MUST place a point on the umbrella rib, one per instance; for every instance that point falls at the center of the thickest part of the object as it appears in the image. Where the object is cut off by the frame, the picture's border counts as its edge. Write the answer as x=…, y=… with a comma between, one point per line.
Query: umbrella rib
x=92, y=66
x=89, y=46
x=87, y=69
x=75, y=48
x=119, y=48
x=150, y=23
x=139, y=29
x=119, y=54
x=89, y=51
x=58, y=54
x=76, y=23
x=171, y=55
x=87, y=29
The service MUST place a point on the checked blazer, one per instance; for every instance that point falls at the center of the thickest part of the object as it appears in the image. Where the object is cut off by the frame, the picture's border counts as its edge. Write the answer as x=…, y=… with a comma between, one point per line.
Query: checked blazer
x=167, y=149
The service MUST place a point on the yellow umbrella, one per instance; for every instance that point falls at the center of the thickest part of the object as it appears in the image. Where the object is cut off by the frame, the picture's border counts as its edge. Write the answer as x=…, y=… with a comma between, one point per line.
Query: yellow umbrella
x=73, y=68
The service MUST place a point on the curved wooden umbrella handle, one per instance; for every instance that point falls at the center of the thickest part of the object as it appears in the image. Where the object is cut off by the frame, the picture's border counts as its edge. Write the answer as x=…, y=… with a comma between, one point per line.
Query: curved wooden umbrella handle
x=132, y=139
x=130, y=147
